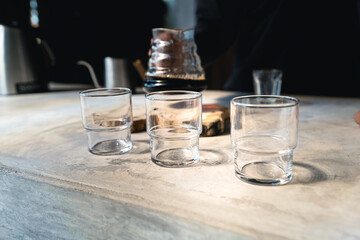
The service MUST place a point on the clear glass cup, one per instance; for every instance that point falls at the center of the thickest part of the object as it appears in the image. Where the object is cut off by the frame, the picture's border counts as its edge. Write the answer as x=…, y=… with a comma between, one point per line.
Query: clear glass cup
x=173, y=122
x=107, y=119
x=264, y=136
x=267, y=81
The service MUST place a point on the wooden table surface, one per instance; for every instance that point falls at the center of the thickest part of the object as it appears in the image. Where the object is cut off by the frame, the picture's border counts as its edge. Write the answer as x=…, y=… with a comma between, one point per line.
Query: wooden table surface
x=51, y=187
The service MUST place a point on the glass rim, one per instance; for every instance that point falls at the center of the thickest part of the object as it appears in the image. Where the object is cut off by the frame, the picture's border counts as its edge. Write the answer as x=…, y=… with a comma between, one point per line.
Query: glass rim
x=192, y=95
x=292, y=101
x=175, y=30
x=109, y=92
x=267, y=70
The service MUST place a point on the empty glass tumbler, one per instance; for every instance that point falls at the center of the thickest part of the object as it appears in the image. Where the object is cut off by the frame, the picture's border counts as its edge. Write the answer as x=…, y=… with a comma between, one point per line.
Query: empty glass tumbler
x=267, y=81
x=264, y=136
x=107, y=119
x=173, y=122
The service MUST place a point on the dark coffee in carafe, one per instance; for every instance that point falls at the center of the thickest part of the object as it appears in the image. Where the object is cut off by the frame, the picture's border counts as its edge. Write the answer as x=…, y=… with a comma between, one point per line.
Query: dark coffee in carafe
x=174, y=63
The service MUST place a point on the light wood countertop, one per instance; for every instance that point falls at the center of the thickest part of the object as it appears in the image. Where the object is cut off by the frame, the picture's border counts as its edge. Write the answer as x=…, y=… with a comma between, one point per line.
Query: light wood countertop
x=51, y=187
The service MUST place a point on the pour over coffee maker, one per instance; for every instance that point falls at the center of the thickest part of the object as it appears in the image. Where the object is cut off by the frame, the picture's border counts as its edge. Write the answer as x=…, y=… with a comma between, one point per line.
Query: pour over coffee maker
x=174, y=63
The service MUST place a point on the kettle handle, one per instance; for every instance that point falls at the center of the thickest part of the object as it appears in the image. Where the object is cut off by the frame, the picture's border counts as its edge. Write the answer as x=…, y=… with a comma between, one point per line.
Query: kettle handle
x=47, y=52
x=91, y=71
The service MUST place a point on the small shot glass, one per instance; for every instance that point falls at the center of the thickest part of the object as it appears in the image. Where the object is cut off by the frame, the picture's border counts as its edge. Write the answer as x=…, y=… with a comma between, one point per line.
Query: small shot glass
x=267, y=81
x=173, y=122
x=107, y=119
x=264, y=136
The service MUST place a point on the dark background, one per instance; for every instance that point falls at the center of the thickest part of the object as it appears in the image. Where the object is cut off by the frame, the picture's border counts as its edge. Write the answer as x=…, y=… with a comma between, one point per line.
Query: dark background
x=324, y=39
x=90, y=31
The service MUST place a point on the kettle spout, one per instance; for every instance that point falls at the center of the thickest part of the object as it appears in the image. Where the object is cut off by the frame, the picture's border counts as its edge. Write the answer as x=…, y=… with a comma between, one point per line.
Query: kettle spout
x=91, y=71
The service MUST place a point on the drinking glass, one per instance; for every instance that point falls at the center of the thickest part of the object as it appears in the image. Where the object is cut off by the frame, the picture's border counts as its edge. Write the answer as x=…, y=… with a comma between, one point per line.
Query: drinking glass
x=173, y=122
x=267, y=81
x=107, y=119
x=264, y=136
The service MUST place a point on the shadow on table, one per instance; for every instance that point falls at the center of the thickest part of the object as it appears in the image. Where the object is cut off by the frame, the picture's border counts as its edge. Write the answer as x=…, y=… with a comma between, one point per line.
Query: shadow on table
x=140, y=147
x=305, y=173
x=210, y=157
x=140, y=150
x=135, y=155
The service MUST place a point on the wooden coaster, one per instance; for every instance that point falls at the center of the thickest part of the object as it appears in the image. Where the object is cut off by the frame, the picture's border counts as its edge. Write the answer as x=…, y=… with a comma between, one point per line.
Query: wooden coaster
x=215, y=120
x=139, y=120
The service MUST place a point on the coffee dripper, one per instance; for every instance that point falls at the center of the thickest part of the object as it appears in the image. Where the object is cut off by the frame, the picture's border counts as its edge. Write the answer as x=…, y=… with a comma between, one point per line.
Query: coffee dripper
x=174, y=63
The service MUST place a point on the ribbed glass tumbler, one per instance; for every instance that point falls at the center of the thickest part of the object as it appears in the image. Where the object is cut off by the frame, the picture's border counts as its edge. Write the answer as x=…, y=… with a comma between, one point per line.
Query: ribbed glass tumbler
x=107, y=119
x=264, y=136
x=173, y=122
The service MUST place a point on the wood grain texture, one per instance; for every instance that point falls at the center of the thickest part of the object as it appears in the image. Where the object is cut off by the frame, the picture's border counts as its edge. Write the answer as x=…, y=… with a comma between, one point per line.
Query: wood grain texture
x=215, y=120
x=32, y=209
x=51, y=187
x=139, y=120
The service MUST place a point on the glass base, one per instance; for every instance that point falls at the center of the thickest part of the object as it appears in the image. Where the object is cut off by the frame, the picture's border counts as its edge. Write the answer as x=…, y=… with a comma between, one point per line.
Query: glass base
x=109, y=142
x=174, y=147
x=264, y=168
x=263, y=173
x=177, y=157
x=111, y=147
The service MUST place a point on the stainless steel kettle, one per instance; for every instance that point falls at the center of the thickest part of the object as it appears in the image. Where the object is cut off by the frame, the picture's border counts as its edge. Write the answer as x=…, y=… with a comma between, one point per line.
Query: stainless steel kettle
x=18, y=67
x=116, y=73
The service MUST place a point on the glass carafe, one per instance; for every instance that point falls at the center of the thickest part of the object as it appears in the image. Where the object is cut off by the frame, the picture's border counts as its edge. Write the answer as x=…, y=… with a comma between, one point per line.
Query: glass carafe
x=174, y=63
